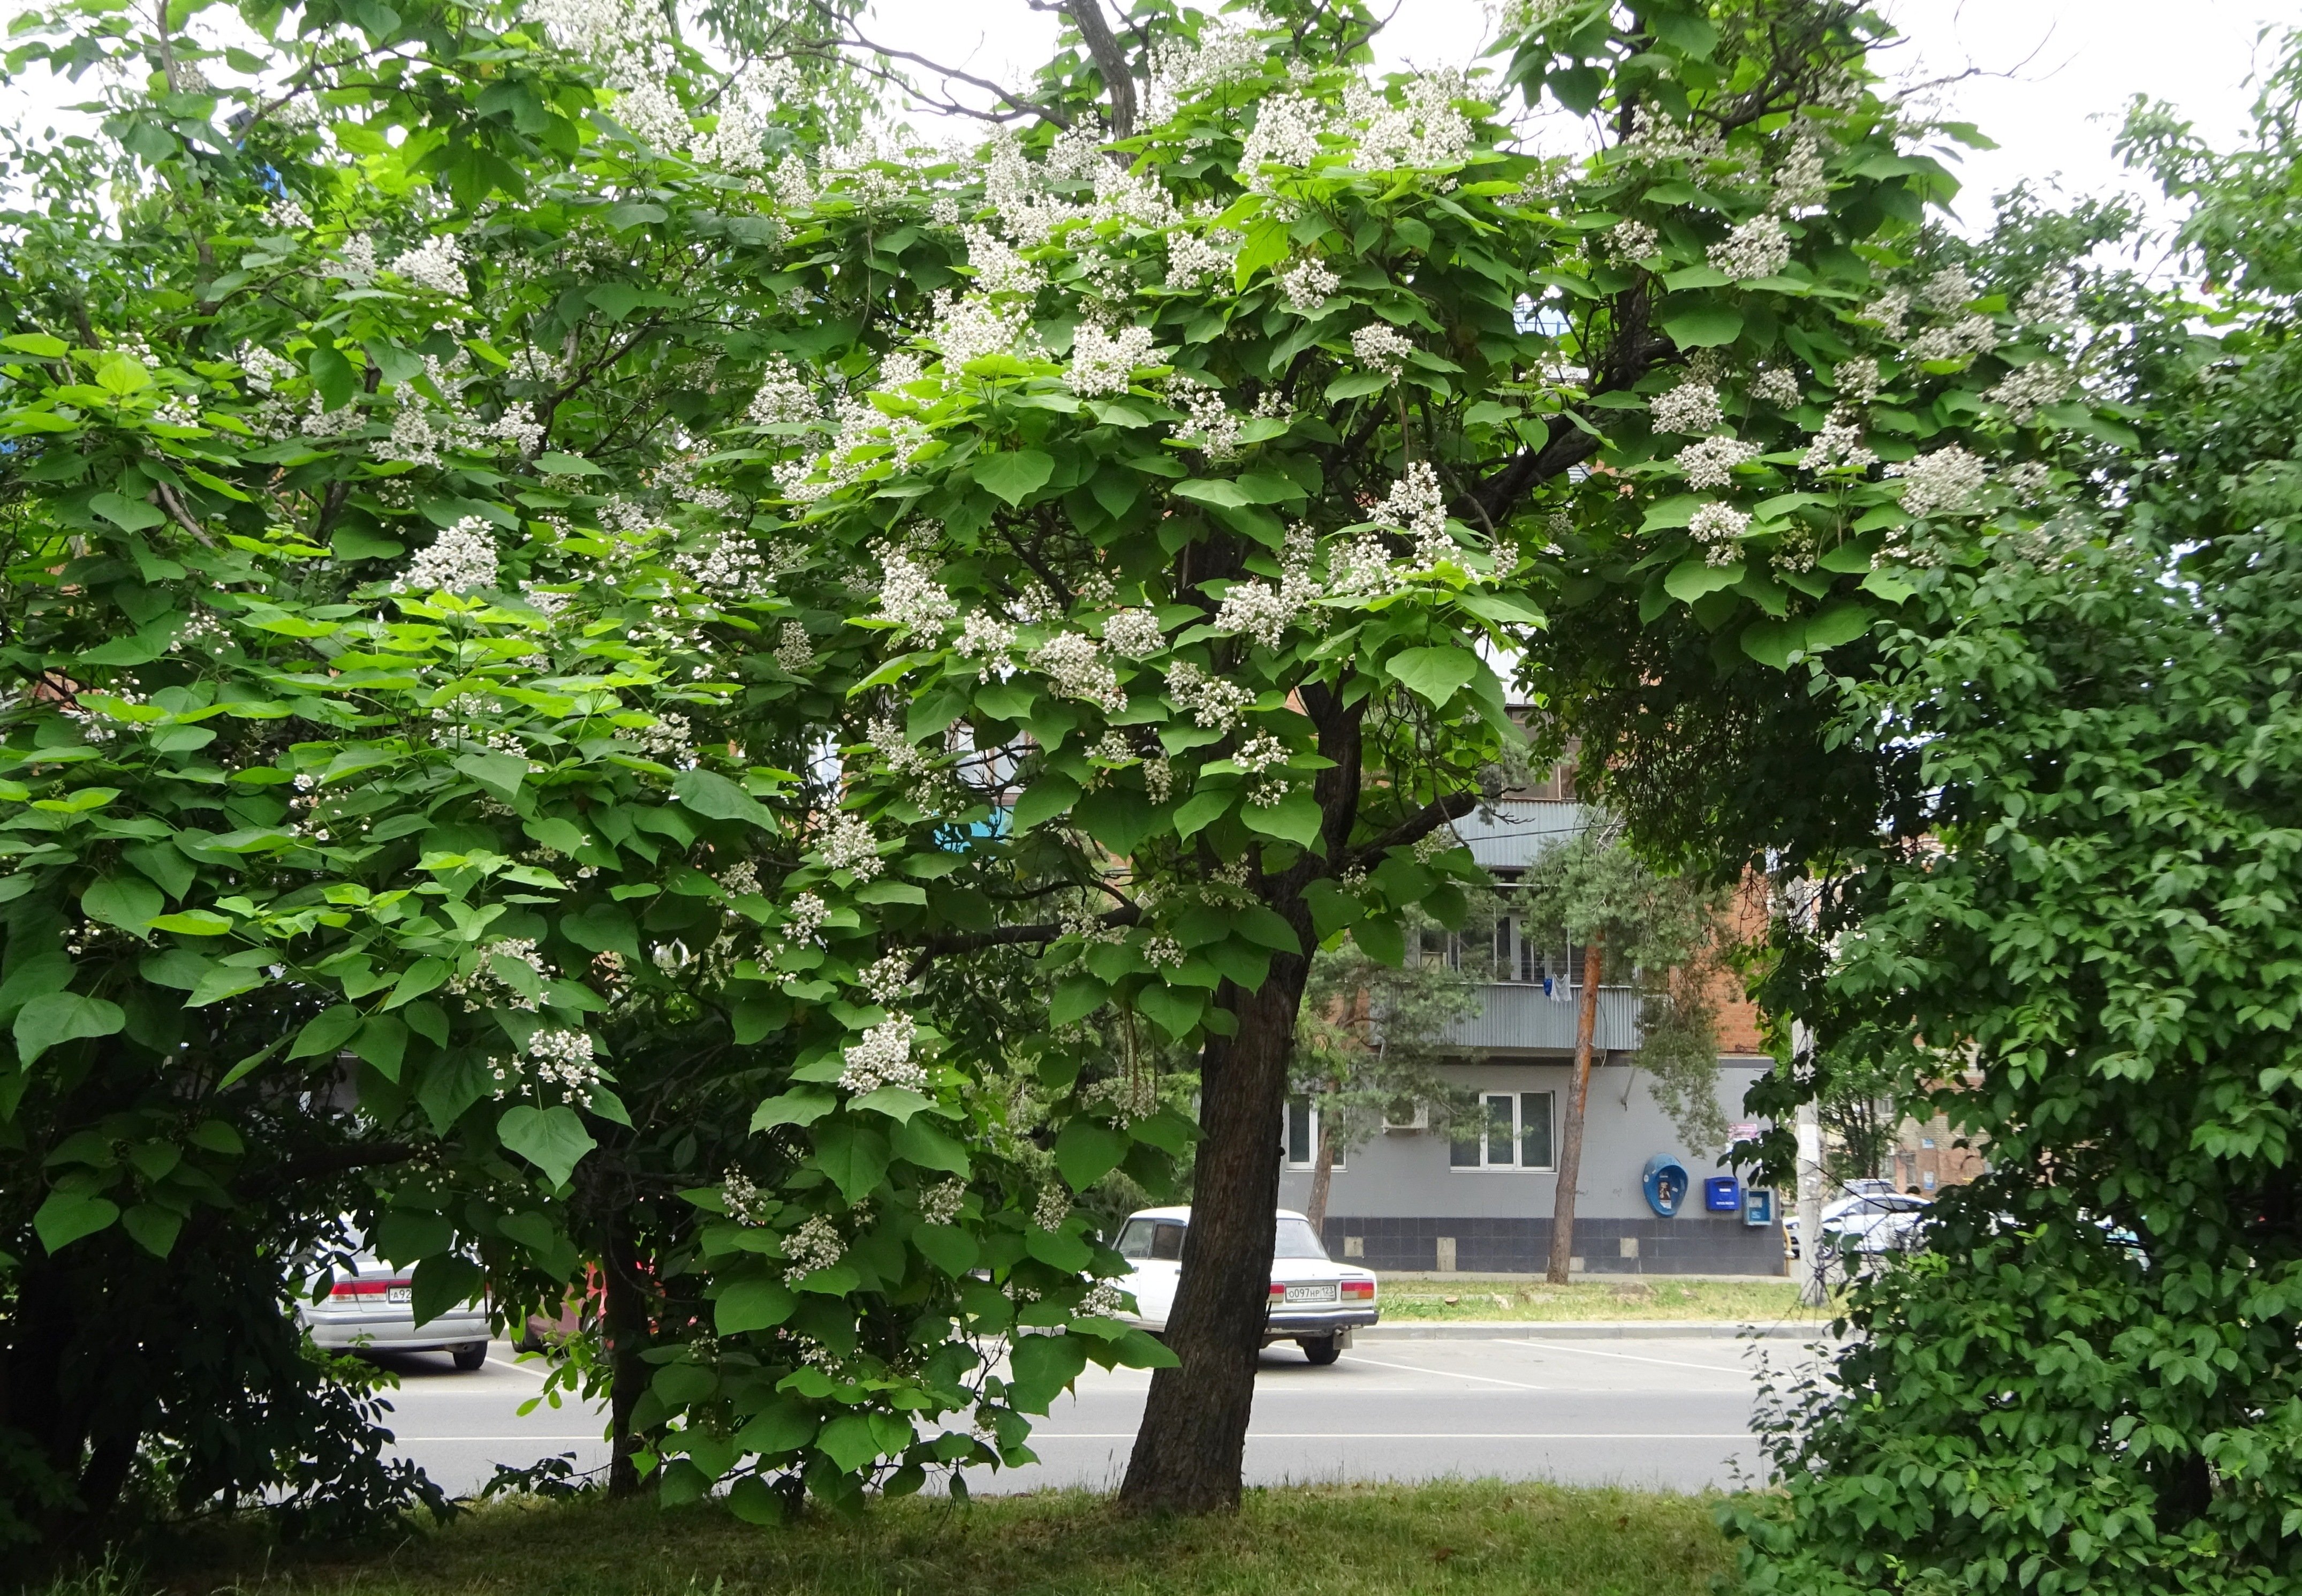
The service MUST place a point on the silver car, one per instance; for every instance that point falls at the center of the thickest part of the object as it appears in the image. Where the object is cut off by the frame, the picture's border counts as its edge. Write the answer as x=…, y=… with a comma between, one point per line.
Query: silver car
x=372, y=1309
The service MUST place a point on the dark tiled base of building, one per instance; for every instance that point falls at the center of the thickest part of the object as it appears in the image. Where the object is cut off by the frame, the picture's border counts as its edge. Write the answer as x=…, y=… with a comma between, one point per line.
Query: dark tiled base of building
x=1691, y=1244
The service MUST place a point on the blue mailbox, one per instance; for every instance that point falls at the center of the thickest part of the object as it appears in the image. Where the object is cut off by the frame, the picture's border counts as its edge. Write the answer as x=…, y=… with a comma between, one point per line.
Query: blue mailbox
x=1757, y=1207
x=1665, y=1182
x=1722, y=1194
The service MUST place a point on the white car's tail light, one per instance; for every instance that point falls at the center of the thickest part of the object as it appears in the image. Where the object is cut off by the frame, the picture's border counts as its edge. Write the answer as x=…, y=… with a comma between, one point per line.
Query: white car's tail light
x=1359, y=1290
x=1278, y=1289
x=368, y=1288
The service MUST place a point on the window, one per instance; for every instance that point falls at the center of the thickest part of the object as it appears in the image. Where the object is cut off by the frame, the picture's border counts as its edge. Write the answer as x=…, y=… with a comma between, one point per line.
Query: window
x=1513, y=1131
x=1157, y=1239
x=1296, y=1238
x=1303, y=1134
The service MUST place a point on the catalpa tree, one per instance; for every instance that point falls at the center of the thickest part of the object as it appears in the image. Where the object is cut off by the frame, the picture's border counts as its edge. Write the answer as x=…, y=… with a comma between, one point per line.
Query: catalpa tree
x=1203, y=444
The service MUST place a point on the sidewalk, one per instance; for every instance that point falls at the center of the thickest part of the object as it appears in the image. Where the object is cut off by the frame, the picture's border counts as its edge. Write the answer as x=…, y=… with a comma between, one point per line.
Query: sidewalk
x=1589, y=1329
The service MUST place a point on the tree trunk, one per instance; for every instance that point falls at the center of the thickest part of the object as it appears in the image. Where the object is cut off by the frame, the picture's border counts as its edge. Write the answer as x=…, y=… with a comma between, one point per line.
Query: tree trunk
x=1578, y=1097
x=1322, y=1175
x=1189, y=1451
x=624, y=1318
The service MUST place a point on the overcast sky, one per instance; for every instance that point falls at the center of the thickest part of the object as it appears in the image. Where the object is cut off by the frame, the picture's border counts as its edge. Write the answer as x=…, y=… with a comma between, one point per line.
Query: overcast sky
x=2052, y=75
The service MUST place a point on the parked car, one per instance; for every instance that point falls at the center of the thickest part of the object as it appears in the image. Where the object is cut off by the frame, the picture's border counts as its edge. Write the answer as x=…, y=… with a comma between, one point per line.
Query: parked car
x=1870, y=1221
x=1316, y=1302
x=372, y=1309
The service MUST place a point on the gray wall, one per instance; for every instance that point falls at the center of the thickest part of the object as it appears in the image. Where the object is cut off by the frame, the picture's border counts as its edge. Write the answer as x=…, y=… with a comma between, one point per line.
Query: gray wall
x=1396, y=1194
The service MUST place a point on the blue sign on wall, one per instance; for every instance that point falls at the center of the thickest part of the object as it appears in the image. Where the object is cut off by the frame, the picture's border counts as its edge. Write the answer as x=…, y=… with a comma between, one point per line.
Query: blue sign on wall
x=1722, y=1194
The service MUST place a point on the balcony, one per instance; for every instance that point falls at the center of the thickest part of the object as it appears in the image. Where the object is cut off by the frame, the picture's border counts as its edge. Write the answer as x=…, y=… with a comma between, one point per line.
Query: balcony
x=1524, y=1019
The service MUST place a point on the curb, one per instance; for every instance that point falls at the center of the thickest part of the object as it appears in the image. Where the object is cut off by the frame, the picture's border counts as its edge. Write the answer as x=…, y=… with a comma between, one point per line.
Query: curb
x=1664, y=1330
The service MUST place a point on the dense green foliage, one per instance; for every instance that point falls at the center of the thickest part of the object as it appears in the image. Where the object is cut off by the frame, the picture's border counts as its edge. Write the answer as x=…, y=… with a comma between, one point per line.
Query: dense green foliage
x=2090, y=1381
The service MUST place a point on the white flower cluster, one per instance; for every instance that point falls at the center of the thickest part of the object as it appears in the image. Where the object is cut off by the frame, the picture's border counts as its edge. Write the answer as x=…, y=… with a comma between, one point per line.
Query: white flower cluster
x=1945, y=483
x=1716, y=526
x=1358, y=567
x=2029, y=481
x=1258, y=757
x=862, y=438
x=2027, y=389
x=1162, y=952
x=1286, y=133
x=746, y=1203
x=1779, y=386
x=484, y=983
x=971, y=328
x=1968, y=335
x=1838, y=444
x=897, y=752
x=1191, y=259
x=1890, y=310
x=939, y=1204
x=1417, y=505
x=265, y=369
x=288, y=216
x=1692, y=407
x=1104, y=362
x=1711, y=464
x=1075, y=667
x=1212, y=702
x=1262, y=611
x=1857, y=379
x=908, y=593
x=460, y=559
x=815, y=1244
x=1757, y=248
x=1948, y=290
x=1307, y=284
x=1211, y=424
x=436, y=265
x=999, y=269
x=1053, y=1207
x=1432, y=844
x=1133, y=634
x=2048, y=302
x=1800, y=181
x=727, y=566
x=1381, y=348
x=793, y=652
x=784, y=398
x=1102, y=1301
x=886, y=978
x=1159, y=777
x=1632, y=239
x=849, y=844
x=670, y=738
x=564, y=1058
x=884, y=1058
x=985, y=638
x=803, y=920
x=1424, y=131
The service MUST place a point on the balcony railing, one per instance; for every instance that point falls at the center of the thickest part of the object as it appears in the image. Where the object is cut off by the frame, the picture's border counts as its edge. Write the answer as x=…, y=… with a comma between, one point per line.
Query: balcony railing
x=1519, y=1018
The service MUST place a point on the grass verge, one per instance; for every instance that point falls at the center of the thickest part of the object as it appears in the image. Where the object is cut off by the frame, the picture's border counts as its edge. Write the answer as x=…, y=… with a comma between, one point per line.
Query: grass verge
x=1756, y=1302
x=1467, y=1536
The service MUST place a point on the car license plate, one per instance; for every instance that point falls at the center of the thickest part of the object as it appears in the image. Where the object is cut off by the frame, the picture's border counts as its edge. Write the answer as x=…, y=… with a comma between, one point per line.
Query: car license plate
x=1325, y=1293
x=399, y=1294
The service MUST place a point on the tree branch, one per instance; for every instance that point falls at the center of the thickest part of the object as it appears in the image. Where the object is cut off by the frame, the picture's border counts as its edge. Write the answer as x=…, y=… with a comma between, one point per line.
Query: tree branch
x=1417, y=826
x=1110, y=60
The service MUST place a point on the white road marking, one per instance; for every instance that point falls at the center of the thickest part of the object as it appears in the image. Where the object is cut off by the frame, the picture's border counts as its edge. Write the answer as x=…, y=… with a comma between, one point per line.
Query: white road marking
x=1520, y=1385
x=518, y=1368
x=1633, y=1358
x=1418, y=1435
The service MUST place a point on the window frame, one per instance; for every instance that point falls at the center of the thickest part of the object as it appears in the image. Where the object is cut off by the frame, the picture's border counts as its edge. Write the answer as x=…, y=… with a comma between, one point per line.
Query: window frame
x=1287, y=1159
x=1482, y=1139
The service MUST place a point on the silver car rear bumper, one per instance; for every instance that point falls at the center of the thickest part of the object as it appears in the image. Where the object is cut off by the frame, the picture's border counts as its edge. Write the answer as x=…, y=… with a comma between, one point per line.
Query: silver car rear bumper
x=1287, y=1324
x=395, y=1331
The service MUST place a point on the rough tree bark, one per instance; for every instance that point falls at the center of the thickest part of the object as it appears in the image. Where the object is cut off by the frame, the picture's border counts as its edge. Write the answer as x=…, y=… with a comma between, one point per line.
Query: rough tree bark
x=1578, y=1097
x=1322, y=1174
x=624, y=1318
x=1188, y=1454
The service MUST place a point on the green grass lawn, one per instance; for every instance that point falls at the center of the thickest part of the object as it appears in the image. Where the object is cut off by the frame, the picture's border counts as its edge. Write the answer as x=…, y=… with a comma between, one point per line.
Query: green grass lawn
x=1488, y=1537
x=1758, y=1302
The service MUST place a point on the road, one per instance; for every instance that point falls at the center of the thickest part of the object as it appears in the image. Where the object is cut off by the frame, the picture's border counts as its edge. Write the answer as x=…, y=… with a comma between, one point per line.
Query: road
x=1664, y=1413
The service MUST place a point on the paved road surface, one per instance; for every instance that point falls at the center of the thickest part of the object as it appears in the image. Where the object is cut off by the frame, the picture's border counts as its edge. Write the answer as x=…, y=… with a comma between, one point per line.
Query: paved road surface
x=1672, y=1414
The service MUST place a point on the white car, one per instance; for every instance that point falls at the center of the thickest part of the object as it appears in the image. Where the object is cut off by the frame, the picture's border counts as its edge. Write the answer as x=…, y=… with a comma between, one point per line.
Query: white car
x=372, y=1309
x=1870, y=1221
x=1314, y=1302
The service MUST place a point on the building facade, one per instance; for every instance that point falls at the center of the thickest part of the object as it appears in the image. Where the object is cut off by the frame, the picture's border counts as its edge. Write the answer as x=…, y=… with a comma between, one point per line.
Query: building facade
x=1480, y=1199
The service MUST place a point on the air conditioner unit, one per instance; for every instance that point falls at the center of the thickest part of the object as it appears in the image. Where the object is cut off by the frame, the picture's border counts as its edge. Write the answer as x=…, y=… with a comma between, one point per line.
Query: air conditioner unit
x=1404, y=1114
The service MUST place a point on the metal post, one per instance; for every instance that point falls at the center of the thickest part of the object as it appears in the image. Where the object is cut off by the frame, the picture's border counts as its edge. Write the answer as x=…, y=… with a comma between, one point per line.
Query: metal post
x=1813, y=1286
